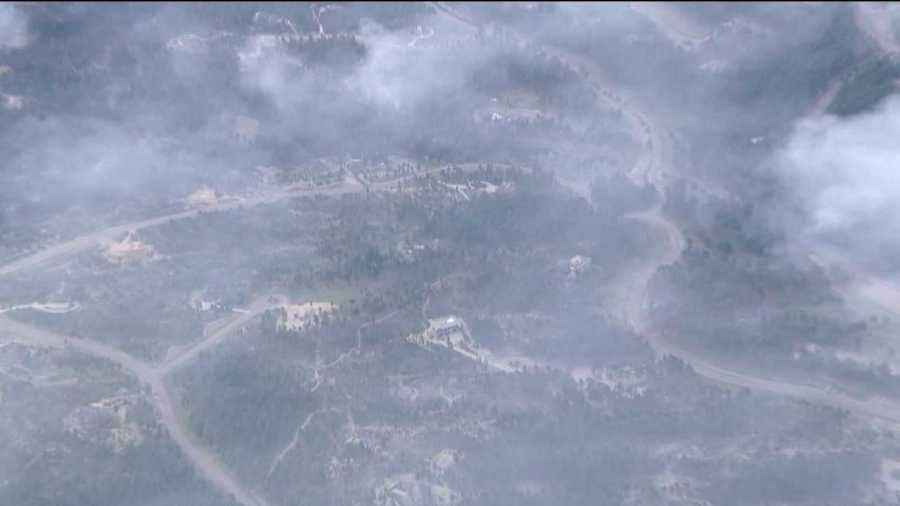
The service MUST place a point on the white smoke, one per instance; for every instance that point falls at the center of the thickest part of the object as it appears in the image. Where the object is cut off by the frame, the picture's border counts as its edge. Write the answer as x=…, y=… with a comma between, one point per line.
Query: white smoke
x=397, y=75
x=845, y=175
x=13, y=27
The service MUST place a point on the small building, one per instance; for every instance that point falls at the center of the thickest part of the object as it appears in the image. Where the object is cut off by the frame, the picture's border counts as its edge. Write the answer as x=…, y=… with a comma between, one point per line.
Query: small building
x=579, y=264
x=204, y=197
x=296, y=317
x=129, y=249
x=444, y=327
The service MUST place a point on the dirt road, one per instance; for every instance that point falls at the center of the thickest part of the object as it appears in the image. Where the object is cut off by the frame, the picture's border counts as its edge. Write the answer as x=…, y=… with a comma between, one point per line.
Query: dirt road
x=91, y=240
x=679, y=29
x=631, y=307
x=203, y=460
x=635, y=311
x=652, y=167
x=216, y=338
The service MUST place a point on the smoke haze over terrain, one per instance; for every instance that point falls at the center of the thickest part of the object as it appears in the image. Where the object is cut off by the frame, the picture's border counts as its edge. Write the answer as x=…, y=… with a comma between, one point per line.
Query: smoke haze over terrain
x=513, y=253
x=843, y=173
x=13, y=27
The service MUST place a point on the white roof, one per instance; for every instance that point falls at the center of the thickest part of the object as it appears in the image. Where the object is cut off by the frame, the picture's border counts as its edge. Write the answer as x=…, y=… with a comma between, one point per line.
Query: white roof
x=447, y=322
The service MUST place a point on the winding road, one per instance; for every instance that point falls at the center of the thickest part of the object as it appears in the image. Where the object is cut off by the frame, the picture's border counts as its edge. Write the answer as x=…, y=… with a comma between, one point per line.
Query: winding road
x=203, y=459
x=652, y=168
x=151, y=375
x=632, y=307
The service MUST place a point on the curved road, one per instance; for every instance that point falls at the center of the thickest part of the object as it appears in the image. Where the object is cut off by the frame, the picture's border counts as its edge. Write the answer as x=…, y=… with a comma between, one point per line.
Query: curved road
x=204, y=461
x=202, y=458
x=633, y=309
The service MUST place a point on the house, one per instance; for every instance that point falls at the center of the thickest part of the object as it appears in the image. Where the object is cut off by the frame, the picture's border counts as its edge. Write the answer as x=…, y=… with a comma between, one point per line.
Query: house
x=444, y=327
x=578, y=264
x=128, y=249
x=204, y=197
